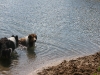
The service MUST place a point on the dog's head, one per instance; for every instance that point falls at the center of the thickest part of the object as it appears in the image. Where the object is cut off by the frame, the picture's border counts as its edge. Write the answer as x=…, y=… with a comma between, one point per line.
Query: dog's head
x=32, y=39
x=6, y=53
x=3, y=41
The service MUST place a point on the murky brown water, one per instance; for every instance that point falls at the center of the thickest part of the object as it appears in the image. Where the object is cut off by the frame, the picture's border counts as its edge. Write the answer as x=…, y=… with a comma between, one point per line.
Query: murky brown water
x=65, y=29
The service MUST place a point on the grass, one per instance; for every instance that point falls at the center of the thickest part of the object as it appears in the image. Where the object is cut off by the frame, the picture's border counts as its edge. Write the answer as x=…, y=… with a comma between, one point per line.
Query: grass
x=98, y=71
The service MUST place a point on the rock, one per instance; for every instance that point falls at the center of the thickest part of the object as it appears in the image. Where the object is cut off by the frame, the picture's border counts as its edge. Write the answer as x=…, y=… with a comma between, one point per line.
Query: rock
x=4, y=72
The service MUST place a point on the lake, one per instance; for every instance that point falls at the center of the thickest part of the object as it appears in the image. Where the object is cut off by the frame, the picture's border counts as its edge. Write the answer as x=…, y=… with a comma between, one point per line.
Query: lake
x=65, y=29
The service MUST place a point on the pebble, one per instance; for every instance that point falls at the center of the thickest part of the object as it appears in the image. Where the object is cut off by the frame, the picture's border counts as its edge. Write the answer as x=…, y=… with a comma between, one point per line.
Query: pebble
x=4, y=72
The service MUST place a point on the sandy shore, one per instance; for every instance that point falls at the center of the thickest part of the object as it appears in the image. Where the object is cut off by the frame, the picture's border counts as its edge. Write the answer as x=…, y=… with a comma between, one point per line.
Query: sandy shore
x=87, y=65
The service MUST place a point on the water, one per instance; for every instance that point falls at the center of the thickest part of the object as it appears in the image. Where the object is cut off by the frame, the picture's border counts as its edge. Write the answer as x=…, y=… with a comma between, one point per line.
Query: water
x=65, y=29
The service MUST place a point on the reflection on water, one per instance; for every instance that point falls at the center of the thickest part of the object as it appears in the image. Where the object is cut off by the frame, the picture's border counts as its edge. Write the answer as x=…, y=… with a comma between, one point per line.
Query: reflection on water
x=65, y=29
x=30, y=53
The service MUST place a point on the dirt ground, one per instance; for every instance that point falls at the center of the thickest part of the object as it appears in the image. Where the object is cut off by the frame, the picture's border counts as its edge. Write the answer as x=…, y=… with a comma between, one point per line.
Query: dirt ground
x=87, y=65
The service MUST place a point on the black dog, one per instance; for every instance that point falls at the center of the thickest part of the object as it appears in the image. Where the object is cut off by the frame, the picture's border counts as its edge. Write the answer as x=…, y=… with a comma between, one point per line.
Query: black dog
x=7, y=53
x=7, y=46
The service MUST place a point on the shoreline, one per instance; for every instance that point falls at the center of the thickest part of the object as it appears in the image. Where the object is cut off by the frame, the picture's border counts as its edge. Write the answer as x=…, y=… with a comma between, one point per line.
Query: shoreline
x=86, y=65
x=51, y=63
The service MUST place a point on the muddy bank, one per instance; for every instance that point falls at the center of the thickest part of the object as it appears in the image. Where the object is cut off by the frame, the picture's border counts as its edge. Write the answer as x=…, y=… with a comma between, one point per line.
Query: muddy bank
x=87, y=65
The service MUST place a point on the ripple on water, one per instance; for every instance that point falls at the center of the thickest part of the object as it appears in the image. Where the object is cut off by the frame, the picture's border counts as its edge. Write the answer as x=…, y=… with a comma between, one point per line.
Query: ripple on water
x=65, y=28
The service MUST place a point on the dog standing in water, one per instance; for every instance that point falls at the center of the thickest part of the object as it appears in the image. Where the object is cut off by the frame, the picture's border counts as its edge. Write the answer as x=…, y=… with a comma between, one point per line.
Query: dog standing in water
x=7, y=46
x=28, y=41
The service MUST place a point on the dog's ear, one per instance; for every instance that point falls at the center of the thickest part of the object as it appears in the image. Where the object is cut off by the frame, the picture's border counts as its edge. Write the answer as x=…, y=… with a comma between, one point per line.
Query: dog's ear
x=17, y=41
x=16, y=37
x=36, y=36
x=29, y=36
